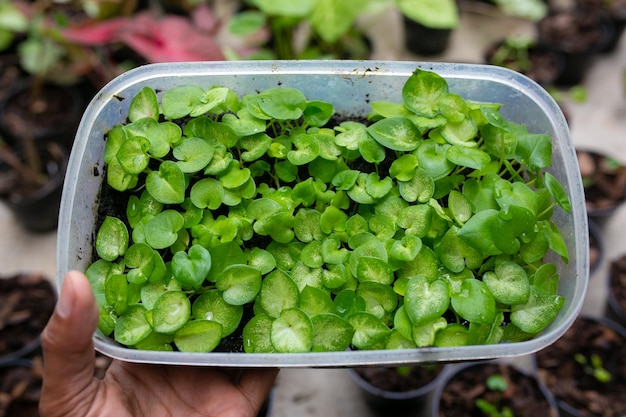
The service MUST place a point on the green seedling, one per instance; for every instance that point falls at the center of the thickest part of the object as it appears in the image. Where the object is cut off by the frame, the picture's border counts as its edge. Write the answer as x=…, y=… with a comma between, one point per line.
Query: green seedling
x=428, y=223
x=496, y=383
x=592, y=365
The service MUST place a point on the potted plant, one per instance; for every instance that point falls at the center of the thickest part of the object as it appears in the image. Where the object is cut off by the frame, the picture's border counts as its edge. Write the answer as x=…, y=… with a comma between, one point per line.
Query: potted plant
x=616, y=295
x=522, y=54
x=306, y=29
x=578, y=35
x=584, y=369
x=254, y=230
x=27, y=301
x=428, y=24
x=494, y=389
x=20, y=387
x=398, y=389
x=615, y=9
x=604, y=181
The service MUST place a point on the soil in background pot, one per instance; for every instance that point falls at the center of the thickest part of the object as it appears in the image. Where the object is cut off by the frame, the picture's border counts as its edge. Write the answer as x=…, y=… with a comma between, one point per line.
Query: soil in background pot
x=579, y=36
x=570, y=368
x=617, y=289
x=604, y=182
x=26, y=304
x=523, y=394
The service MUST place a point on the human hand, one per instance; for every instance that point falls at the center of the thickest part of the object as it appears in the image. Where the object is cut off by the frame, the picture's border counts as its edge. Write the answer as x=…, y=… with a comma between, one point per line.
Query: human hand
x=130, y=389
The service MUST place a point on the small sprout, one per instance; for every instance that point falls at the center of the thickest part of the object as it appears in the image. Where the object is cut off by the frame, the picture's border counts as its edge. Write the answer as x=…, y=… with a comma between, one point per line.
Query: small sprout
x=495, y=383
x=593, y=366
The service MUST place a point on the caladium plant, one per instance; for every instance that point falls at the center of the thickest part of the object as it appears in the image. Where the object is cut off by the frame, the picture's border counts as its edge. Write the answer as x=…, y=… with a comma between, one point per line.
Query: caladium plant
x=268, y=217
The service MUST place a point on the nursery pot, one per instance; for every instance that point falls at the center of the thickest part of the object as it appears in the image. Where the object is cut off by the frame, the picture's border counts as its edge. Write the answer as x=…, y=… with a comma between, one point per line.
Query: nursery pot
x=38, y=211
x=463, y=384
x=579, y=36
x=423, y=40
x=615, y=10
x=574, y=368
x=403, y=393
x=49, y=112
x=20, y=388
x=615, y=307
x=596, y=247
x=27, y=301
x=350, y=86
x=604, y=182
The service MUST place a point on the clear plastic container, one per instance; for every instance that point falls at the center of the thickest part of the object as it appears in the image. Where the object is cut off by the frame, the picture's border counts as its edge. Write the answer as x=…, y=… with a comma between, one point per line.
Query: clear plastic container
x=350, y=86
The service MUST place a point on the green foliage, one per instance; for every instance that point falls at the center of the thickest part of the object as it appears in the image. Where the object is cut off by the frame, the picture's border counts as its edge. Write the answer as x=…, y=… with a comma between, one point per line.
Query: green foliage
x=428, y=227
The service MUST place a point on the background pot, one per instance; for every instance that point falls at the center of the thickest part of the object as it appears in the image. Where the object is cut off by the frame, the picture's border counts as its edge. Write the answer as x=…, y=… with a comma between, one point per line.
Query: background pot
x=596, y=247
x=544, y=65
x=20, y=388
x=48, y=113
x=578, y=35
x=525, y=395
x=570, y=377
x=38, y=211
x=604, y=181
x=616, y=294
x=27, y=301
x=616, y=11
x=411, y=392
x=422, y=40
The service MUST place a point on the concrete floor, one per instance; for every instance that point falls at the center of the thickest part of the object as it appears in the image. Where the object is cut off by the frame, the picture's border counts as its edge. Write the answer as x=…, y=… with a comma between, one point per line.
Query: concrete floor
x=599, y=123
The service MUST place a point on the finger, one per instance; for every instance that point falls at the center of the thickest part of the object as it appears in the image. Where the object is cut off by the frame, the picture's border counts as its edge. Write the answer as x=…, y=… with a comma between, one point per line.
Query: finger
x=67, y=340
x=255, y=384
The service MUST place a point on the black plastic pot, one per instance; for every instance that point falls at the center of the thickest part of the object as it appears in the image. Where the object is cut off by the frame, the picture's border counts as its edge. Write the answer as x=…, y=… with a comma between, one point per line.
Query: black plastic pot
x=616, y=11
x=422, y=40
x=614, y=310
x=526, y=383
x=39, y=211
x=545, y=65
x=398, y=402
x=28, y=300
x=597, y=239
x=579, y=36
x=48, y=113
x=578, y=394
x=20, y=386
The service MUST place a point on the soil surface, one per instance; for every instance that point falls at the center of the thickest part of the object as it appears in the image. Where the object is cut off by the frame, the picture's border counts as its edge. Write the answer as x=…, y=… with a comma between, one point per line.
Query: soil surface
x=399, y=379
x=569, y=376
x=522, y=395
x=26, y=304
x=573, y=31
x=617, y=283
x=604, y=181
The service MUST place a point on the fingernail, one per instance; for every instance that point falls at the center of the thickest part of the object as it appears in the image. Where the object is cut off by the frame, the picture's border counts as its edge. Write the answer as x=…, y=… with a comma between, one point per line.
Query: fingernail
x=65, y=305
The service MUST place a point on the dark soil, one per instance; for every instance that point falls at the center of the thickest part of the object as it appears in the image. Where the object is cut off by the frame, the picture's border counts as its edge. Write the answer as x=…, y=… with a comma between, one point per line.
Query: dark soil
x=396, y=380
x=20, y=389
x=617, y=284
x=522, y=395
x=26, y=303
x=20, y=385
x=604, y=181
x=543, y=66
x=573, y=31
x=44, y=114
x=572, y=383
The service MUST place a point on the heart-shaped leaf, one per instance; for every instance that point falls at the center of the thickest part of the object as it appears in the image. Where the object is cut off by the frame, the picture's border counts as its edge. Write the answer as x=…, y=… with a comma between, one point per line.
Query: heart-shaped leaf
x=193, y=154
x=144, y=105
x=423, y=91
x=396, y=133
x=508, y=283
x=198, y=336
x=111, y=239
x=239, y=284
x=161, y=231
x=192, y=268
x=425, y=301
x=167, y=185
x=474, y=302
x=292, y=332
x=171, y=312
x=210, y=305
